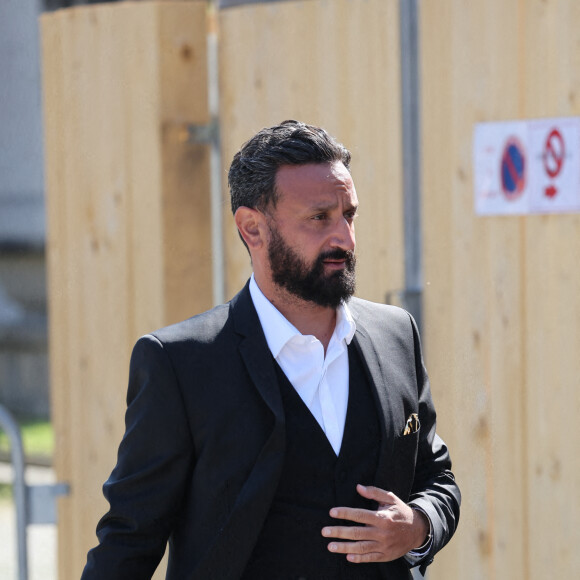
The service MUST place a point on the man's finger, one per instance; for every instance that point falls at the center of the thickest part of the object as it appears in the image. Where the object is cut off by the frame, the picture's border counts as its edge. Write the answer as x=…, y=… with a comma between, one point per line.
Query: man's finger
x=376, y=493
x=358, y=548
x=358, y=515
x=364, y=558
x=356, y=533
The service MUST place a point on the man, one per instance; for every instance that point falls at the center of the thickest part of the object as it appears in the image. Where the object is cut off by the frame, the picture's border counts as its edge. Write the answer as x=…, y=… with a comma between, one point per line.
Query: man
x=290, y=433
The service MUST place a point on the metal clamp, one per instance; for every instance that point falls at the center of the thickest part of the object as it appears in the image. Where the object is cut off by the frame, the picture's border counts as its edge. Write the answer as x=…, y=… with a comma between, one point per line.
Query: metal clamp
x=410, y=299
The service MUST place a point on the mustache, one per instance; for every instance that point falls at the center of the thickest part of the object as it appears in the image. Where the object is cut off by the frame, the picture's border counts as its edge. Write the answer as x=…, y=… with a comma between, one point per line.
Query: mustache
x=338, y=254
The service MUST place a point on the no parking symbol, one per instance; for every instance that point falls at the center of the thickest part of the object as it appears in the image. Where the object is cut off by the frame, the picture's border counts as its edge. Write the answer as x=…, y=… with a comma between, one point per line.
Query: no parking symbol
x=513, y=169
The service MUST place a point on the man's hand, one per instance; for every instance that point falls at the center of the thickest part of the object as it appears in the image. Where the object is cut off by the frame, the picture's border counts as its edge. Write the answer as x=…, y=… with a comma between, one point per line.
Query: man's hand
x=386, y=534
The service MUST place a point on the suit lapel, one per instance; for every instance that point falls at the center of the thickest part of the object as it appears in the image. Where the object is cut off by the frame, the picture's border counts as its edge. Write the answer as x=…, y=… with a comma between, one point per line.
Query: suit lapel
x=379, y=379
x=255, y=352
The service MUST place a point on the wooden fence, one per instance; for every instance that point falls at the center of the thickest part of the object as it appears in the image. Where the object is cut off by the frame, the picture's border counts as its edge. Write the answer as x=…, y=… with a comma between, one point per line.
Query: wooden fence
x=502, y=299
x=128, y=228
x=129, y=239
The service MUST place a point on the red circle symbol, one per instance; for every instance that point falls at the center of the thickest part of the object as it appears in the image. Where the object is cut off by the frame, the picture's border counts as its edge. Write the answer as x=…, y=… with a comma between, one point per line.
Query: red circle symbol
x=554, y=153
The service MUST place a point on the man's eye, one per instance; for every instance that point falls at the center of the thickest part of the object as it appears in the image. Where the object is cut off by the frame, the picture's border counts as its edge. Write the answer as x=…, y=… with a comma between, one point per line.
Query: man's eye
x=350, y=215
x=319, y=217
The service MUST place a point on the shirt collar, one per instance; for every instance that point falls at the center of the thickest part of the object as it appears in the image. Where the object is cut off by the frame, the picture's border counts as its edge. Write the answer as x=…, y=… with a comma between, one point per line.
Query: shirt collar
x=278, y=330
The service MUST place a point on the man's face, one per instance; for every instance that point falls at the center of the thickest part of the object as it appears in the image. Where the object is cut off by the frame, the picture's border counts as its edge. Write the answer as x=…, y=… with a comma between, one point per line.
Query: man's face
x=311, y=245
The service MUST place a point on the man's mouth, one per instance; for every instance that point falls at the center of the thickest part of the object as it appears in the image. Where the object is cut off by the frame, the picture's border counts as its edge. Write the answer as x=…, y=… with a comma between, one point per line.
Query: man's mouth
x=337, y=259
x=335, y=264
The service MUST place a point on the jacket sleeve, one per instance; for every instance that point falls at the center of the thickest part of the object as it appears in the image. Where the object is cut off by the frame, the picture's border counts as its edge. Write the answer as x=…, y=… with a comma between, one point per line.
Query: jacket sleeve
x=154, y=463
x=434, y=488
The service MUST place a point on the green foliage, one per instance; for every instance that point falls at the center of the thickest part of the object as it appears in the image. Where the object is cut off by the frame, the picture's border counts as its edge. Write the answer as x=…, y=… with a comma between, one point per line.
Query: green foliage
x=5, y=491
x=37, y=438
x=38, y=441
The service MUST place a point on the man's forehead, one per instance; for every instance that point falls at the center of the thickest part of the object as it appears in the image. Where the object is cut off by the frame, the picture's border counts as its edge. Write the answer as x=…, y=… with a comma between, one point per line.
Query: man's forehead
x=313, y=171
x=314, y=179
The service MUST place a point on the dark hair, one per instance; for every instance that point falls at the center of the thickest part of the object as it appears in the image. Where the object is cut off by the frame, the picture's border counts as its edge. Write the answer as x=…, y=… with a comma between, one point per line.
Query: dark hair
x=252, y=174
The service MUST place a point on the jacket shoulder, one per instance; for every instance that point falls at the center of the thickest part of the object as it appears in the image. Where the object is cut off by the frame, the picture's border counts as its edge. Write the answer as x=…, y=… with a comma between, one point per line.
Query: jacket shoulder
x=202, y=327
x=373, y=313
x=217, y=327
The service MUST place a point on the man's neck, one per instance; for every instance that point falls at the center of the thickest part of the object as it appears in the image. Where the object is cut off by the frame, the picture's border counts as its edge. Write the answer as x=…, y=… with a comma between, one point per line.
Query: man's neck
x=307, y=317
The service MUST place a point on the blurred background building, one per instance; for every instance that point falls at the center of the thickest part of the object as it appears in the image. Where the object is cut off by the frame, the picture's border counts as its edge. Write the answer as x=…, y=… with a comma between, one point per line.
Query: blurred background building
x=23, y=321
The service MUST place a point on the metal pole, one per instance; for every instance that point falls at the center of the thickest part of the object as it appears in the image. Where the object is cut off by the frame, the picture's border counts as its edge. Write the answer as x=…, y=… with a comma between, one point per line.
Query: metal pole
x=11, y=428
x=411, y=146
x=217, y=233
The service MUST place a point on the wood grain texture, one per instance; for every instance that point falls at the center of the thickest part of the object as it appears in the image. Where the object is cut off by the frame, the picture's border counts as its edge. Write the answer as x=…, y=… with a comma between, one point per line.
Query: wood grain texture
x=128, y=201
x=501, y=297
x=552, y=84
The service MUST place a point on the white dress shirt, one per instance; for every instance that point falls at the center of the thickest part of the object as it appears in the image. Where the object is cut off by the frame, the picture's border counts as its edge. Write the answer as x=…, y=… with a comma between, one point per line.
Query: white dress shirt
x=321, y=381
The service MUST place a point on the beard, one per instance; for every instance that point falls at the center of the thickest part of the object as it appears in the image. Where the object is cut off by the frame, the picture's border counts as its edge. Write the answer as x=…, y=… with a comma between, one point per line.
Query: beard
x=310, y=283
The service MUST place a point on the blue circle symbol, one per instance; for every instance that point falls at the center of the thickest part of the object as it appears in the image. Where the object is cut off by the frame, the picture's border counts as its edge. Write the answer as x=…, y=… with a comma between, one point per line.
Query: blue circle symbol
x=513, y=169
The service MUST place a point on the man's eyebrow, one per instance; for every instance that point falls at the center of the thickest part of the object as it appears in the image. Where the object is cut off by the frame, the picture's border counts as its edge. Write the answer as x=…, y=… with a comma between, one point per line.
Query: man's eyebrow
x=321, y=207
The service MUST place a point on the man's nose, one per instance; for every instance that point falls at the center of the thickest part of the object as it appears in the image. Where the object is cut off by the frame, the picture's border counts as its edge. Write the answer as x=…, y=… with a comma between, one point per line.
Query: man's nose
x=343, y=235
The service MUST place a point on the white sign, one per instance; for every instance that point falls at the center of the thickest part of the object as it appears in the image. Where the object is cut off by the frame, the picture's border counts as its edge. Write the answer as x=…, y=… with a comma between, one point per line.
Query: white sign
x=524, y=167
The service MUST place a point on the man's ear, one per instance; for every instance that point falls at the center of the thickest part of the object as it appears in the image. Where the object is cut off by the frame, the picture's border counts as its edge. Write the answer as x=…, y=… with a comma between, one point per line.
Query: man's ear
x=250, y=224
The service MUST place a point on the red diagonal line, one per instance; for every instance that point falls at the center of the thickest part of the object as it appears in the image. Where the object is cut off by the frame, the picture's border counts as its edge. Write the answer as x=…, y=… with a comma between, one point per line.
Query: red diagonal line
x=511, y=168
x=557, y=158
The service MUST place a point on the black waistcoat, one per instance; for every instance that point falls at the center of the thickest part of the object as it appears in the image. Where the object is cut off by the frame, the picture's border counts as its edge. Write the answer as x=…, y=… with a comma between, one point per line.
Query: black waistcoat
x=313, y=480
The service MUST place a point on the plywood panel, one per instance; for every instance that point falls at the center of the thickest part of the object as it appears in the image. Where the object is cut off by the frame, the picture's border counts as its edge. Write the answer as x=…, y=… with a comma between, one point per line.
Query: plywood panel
x=333, y=63
x=124, y=257
x=509, y=287
x=471, y=60
x=183, y=89
x=552, y=86
x=60, y=283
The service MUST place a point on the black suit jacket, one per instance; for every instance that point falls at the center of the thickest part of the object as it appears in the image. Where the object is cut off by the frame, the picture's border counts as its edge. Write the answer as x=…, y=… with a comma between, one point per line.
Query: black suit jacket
x=204, y=443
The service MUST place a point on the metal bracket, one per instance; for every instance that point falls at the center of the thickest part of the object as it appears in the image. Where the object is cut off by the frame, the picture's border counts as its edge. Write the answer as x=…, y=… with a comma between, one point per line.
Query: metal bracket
x=203, y=134
x=409, y=299
x=42, y=502
x=402, y=297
